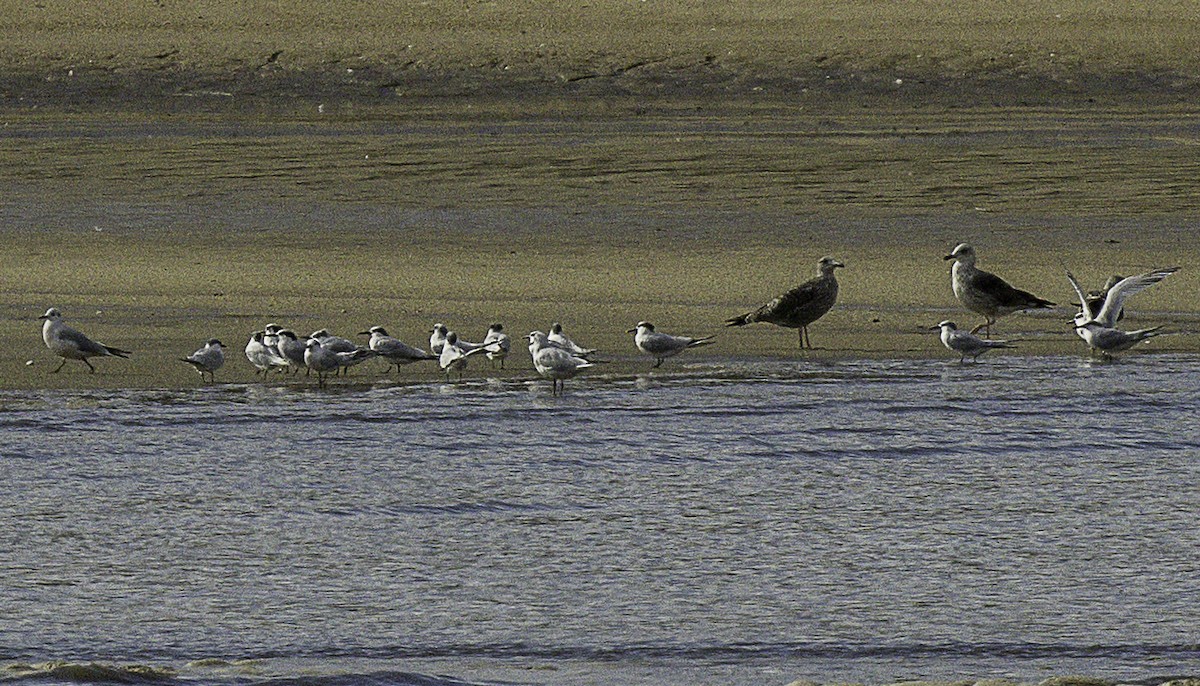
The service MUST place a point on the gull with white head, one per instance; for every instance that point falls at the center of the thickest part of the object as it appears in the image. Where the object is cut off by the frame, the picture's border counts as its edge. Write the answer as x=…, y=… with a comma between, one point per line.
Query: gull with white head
x=984, y=292
x=554, y=362
x=70, y=344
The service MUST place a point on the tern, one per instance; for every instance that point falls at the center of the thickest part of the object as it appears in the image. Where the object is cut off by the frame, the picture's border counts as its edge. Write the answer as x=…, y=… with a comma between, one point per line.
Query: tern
x=208, y=359
x=556, y=337
x=497, y=344
x=661, y=345
x=454, y=356
x=393, y=350
x=966, y=344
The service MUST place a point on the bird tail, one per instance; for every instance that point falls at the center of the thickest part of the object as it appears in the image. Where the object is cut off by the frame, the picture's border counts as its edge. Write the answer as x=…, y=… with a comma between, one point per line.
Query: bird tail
x=117, y=352
x=1143, y=334
x=1039, y=303
x=701, y=341
x=1000, y=344
x=740, y=320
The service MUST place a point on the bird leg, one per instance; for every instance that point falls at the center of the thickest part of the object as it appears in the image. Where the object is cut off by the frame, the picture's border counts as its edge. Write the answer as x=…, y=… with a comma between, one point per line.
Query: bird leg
x=60, y=366
x=658, y=363
x=89, y=364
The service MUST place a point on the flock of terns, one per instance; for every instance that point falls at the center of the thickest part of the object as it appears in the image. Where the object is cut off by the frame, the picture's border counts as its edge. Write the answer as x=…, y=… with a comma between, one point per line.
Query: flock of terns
x=557, y=357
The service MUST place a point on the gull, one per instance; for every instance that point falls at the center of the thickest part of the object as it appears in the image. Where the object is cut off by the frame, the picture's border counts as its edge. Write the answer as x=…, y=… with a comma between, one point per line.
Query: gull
x=986, y=293
x=207, y=359
x=661, y=345
x=497, y=344
x=556, y=337
x=395, y=351
x=263, y=358
x=437, y=338
x=800, y=306
x=966, y=344
x=553, y=362
x=454, y=356
x=320, y=359
x=70, y=344
x=291, y=349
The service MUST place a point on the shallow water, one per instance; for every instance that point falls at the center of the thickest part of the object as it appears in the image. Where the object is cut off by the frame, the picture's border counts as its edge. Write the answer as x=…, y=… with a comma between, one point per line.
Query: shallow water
x=743, y=522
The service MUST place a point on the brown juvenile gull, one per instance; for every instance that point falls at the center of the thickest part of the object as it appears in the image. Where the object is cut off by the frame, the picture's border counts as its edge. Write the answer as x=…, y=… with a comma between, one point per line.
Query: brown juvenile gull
x=986, y=293
x=800, y=306
x=70, y=344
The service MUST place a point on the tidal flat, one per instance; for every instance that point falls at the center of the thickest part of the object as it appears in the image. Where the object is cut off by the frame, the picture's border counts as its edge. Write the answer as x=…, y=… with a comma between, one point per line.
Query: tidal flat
x=154, y=232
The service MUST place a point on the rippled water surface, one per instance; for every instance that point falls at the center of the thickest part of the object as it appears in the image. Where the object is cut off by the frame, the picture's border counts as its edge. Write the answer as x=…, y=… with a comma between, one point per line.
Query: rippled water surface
x=734, y=523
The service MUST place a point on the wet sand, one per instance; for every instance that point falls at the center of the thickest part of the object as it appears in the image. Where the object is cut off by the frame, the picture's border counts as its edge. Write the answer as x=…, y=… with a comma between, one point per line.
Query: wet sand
x=153, y=234
x=201, y=183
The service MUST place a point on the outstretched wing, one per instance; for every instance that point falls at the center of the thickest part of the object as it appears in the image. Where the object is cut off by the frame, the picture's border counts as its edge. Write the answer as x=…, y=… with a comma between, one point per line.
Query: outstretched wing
x=1083, y=300
x=1118, y=294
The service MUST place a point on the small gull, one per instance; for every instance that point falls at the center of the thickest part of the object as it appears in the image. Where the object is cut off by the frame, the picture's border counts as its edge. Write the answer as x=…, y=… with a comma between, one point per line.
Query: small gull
x=661, y=345
x=556, y=337
x=70, y=344
x=497, y=344
x=208, y=359
x=985, y=293
x=800, y=306
x=966, y=344
x=554, y=362
x=393, y=350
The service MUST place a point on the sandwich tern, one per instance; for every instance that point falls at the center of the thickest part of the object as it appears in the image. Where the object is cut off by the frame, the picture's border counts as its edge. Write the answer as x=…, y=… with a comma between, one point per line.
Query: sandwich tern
x=208, y=359
x=393, y=350
x=556, y=337
x=966, y=344
x=497, y=344
x=661, y=345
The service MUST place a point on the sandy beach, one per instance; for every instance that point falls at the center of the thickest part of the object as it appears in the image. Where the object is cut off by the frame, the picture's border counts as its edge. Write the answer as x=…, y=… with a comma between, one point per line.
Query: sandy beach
x=201, y=181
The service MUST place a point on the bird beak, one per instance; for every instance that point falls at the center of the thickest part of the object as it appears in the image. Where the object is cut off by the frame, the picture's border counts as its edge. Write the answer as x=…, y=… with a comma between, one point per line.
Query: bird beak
x=935, y=328
x=631, y=331
x=948, y=257
x=364, y=333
